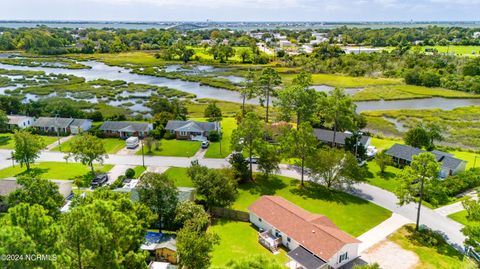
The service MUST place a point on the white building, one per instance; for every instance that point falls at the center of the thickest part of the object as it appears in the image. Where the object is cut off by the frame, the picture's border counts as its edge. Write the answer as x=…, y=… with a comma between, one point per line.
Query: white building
x=313, y=240
x=476, y=35
x=358, y=50
x=21, y=122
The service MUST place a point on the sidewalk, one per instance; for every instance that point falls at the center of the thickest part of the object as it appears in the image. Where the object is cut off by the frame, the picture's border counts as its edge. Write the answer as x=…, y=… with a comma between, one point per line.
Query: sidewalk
x=455, y=207
x=62, y=140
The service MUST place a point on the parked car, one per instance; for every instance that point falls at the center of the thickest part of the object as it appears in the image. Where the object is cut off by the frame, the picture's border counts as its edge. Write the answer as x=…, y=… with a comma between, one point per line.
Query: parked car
x=99, y=180
x=132, y=142
x=254, y=159
x=205, y=144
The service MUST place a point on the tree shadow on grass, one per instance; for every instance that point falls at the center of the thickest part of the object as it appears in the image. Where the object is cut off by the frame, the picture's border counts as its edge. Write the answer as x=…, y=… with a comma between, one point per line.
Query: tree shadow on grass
x=386, y=175
x=5, y=139
x=33, y=172
x=264, y=185
x=319, y=192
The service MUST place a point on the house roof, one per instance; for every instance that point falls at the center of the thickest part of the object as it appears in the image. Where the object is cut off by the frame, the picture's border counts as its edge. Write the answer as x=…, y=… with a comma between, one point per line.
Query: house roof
x=154, y=240
x=314, y=232
x=191, y=126
x=53, y=122
x=306, y=258
x=327, y=136
x=406, y=152
x=125, y=126
x=79, y=122
x=17, y=119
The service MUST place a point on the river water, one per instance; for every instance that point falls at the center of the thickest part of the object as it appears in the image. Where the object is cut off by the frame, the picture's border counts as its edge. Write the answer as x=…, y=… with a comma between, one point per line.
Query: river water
x=102, y=71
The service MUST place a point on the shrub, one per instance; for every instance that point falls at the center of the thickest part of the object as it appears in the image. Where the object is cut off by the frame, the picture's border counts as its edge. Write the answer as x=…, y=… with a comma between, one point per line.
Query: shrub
x=118, y=183
x=169, y=136
x=426, y=237
x=130, y=173
x=214, y=136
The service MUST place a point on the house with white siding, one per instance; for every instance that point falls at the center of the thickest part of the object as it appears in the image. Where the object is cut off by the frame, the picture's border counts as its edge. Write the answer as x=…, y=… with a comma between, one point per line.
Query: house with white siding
x=18, y=121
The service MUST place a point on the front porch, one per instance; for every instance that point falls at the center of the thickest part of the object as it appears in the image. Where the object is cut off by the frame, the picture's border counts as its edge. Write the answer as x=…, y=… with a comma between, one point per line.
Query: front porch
x=268, y=240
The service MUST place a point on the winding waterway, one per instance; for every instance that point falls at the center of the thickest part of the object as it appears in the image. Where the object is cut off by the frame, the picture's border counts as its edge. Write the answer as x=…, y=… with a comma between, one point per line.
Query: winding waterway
x=102, y=71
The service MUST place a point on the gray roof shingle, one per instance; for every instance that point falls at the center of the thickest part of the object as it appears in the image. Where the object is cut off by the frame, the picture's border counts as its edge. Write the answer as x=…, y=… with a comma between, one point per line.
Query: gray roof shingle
x=191, y=126
x=327, y=136
x=53, y=122
x=125, y=126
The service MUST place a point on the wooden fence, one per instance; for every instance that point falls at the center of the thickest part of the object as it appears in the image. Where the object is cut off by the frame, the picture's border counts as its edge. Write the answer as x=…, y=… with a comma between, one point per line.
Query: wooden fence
x=220, y=212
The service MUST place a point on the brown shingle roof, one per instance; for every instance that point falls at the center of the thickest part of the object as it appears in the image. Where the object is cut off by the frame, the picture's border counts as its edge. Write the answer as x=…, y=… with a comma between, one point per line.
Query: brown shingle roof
x=314, y=232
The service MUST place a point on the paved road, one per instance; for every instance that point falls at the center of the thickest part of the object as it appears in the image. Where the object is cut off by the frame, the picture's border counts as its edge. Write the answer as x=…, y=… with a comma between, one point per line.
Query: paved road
x=371, y=193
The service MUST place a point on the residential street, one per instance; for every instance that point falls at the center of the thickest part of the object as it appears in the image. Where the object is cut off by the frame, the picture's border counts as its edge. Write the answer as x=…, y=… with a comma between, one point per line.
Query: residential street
x=374, y=194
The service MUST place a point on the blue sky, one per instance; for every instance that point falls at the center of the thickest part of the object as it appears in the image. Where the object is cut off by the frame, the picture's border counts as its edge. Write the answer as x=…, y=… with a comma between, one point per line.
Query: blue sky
x=241, y=10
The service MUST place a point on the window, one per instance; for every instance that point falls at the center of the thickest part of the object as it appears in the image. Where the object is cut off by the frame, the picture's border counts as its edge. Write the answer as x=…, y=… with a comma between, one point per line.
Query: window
x=343, y=257
x=183, y=133
x=260, y=219
x=288, y=239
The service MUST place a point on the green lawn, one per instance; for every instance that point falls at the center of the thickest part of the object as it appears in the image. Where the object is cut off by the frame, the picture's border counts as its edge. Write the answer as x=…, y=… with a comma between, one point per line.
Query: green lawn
x=7, y=142
x=460, y=50
x=384, y=143
x=54, y=170
x=444, y=256
x=239, y=240
x=177, y=148
x=112, y=145
x=350, y=213
x=344, y=81
x=460, y=216
x=228, y=125
x=179, y=176
x=387, y=181
x=138, y=170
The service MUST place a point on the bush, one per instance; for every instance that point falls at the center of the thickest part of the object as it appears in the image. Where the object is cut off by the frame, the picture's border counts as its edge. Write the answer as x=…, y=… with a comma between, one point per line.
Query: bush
x=130, y=173
x=118, y=183
x=462, y=182
x=169, y=136
x=214, y=136
x=426, y=237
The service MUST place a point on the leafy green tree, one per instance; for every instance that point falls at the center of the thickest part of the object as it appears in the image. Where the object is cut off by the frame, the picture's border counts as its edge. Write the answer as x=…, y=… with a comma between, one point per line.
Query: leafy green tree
x=38, y=191
x=383, y=160
x=159, y=193
x=334, y=168
x=248, y=136
x=299, y=101
x=27, y=147
x=269, y=157
x=421, y=173
x=473, y=209
x=188, y=211
x=194, y=247
x=213, y=112
x=245, y=54
x=338, y=112
x=3, y=120
x=417, y=137
x=250, y=89
x=87, y=149
x=240, y=167
x=434, y=131
x=217, y=187
x=14, y=240
x=88, y=46
x=268, y=81
x=300, y=144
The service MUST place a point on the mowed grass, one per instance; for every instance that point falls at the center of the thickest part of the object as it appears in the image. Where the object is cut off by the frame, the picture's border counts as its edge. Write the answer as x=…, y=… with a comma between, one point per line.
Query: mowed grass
x=395, y=92
x=387, y=181
x=7, y=141
x=53, y=170
x=176, y=148
x=179, y=176
x=460, y=217
x=239, y=240
x=228, y=125
x=112, y=145
x=444, y=256
x=344, y=81
x=138, y=170
x=460, y=50
x=351, y=214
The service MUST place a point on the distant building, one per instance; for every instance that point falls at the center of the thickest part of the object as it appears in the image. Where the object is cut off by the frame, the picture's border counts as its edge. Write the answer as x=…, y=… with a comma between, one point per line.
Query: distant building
x=476, y=35
x=192, y=130
x=358, y=50
x=19, y=122
x=125, y=129
x=403, y=155
x=313, y=240
x=326, y=136
x=9, y=185
x=130, y=186
x=62, y=125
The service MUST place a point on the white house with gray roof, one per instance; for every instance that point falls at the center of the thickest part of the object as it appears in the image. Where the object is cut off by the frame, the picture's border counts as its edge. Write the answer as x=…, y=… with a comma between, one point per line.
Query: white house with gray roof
x=188, y=130
x=125, y=129
x=18, y=121
x=62, y=125
x=403, y=155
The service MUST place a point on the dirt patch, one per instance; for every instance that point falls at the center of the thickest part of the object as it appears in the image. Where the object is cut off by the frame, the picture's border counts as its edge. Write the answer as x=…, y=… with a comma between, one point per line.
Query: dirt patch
x=390, y=256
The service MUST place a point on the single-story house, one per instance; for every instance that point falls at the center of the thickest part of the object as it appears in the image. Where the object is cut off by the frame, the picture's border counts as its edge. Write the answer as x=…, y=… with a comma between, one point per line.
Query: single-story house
x=9, y=185
x=18, y=121
x=125, y=129
x=313, y=240
x=192, y=130
x=326, y=136
x=62, y=125
x=184, y=193
x=162, y=247
x=403, y=155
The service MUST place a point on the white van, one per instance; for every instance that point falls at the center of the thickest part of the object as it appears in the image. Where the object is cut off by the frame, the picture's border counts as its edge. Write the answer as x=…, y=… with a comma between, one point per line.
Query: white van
x=132, y=142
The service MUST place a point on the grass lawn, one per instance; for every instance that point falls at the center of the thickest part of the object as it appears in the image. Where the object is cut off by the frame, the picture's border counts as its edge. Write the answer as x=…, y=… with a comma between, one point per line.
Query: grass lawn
x=444, y=256
x=472, y=158
x=387, y=181
x=7, y=141
x=239, y=240
x=179, y=176
x=112, y=145
x=54, y=170
x=138, y=170
x=460, y=50
x=344, y=81
x=350, y=213
x=384, y=143
x=177, y=148
x=460, y=216
x=393, y=92
x=228, y=125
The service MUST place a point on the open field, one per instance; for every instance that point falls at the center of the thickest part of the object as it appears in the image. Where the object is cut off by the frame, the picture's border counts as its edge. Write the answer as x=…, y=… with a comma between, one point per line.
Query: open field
x=350, y=213
x=53, y=170
x=395, y=92
x=459, y=50
x=443, y=256
x=344, y=81
x=7, y=141
x=177, y=148
x=125, y=59
x=229, y=109
x=112, y=145
x=239, y=240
